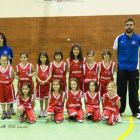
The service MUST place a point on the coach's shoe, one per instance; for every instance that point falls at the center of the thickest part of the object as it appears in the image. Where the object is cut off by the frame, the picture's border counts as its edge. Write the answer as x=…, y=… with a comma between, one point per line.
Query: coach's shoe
x=41, y=114
x=8, y=115
x=119, y=119
x=137, y=115
x=21, y=118
x=12, y=111
x=4, y=115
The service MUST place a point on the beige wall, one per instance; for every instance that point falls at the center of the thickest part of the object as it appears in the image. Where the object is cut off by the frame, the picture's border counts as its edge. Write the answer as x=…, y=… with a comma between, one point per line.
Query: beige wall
x=29, y=8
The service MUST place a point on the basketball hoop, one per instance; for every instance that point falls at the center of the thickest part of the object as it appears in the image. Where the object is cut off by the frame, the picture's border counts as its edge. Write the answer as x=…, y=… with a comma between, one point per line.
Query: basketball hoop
x=58, y=5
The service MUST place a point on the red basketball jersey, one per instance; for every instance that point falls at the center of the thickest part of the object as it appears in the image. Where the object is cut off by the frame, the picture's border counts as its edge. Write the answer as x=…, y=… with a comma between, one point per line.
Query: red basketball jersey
x=26, y=103
x=57, y=101
x=92, y=101
x=75, y=67
x=90, y=73
x=23, y=71
x=43, y=74
x=58, y=71
x=6, y=75
x=106, y=73
x=74, y=99
x=110, y=103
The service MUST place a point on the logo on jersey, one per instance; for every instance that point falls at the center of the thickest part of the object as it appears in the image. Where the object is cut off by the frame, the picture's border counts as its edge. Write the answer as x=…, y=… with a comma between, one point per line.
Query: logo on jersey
x=109, y=72
x=47, y=75
x=30, y=104
x=5, y=52
x=27, y=72
x=7, y=76
x=113, y=103
x=94, y=73
x=78, y=99
x=59, y=103
x=97, y=101
x=133, y=42
x=81, y=66
x=61, y=71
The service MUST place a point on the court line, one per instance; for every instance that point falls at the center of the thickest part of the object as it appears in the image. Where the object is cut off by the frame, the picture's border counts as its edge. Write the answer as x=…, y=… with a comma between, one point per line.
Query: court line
x=128, y=130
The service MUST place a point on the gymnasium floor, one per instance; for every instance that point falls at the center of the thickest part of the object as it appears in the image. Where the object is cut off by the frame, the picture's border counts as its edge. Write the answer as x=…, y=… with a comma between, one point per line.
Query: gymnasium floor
x=129, y=129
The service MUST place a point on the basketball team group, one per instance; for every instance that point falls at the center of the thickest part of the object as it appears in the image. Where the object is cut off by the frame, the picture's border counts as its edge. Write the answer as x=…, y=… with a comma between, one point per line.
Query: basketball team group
x=59, y=83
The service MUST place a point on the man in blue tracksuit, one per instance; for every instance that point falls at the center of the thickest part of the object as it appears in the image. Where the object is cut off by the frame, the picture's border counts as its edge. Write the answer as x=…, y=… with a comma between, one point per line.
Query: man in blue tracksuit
x=126, y=48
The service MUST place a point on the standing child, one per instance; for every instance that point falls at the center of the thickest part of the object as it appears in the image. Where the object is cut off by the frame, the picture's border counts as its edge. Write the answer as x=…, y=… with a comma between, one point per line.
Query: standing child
x=90, y=70
x=111, y=105
x=25, y=72
x=92, y=101
x=59, y=68
x=7, y=93
x=56, y=101
x=43, y=75
x=74, y=104
x=75, y=64
x=26, y=103
x=106, y=70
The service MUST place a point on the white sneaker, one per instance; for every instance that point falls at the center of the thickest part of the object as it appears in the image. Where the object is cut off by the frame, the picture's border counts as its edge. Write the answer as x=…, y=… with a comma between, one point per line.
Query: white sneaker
x=138, y=116
x=44, y=113
x=52, y=117
x=41, y=113
x=119, y=119
x=73, y=114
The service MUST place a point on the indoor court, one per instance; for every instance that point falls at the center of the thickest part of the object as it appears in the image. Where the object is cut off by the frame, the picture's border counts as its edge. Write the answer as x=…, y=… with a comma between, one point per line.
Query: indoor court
x=44, y=25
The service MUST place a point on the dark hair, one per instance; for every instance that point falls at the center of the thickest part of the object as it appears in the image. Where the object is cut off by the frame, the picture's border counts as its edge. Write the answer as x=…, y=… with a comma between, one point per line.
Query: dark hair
x=75, y=80
x=95, y=84
x=80, y=55
x=4, y=39
x=24, y=53
x=90, y=52
x=30, y=91
x=4, y=55
x=59, y=82
x=130, y=19
x=45, y=54
x=58, y=52
x=106, y=51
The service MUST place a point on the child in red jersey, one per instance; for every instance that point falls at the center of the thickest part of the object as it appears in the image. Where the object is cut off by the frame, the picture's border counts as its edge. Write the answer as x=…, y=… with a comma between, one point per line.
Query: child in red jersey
x=26, y=103
x=74, y=104
x=56, y=101
x=92, y=101
x=90, y=70
x=111, y=105
x=59, y=68
x=7, y=93
x=43, y=75
x=75, y=64
x=106, y=70
x=24, y=72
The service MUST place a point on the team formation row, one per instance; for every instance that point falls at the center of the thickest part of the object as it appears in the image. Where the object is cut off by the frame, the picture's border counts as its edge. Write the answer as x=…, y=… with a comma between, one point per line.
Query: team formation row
x=80, y=71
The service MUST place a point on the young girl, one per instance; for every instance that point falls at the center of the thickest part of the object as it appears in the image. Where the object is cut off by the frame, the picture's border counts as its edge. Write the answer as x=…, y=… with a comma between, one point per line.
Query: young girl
x=26, y=103
x=59, y=68
x=111, y=105
x=56, y=101
x=43, y=75
x=73, y=104
x=75, y=64
x=25, y=72
x=7, y=93
x=92, y=101
x=90, y=70
x=106, y=70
